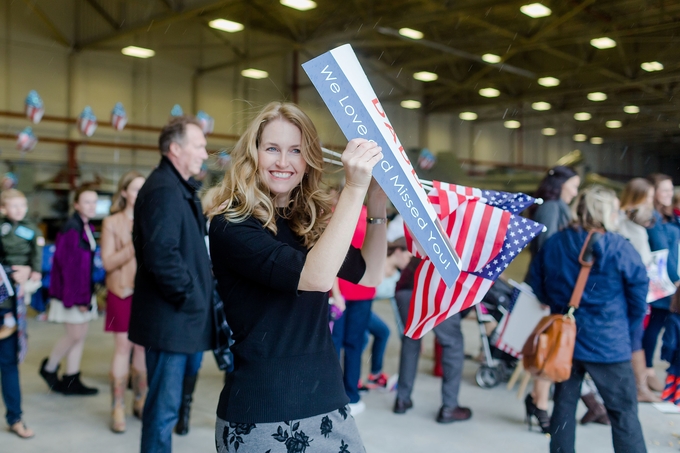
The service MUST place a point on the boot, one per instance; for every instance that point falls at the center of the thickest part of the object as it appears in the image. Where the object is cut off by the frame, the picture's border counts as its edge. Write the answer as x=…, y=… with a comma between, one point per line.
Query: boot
x=597, y=413
x=182, y=426
x=653, y=381
x=139, y=388
x=51, y=378
x=118, y=386
x=71, y=385
x=644, y=395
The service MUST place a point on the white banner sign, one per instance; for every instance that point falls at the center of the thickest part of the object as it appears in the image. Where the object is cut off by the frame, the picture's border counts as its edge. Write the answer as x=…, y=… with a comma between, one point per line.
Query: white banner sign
x=338, y=77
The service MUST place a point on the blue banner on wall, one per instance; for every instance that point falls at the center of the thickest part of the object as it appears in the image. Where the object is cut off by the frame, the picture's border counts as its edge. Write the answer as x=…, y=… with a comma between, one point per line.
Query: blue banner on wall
x=340, y=80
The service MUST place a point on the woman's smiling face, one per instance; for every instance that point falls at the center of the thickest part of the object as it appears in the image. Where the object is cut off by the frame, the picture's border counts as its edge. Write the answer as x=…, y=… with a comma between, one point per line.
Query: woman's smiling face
x=280, y=162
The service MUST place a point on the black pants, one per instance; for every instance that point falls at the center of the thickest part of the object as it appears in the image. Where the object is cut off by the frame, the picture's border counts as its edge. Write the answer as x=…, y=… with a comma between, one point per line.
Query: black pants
x=616, y=383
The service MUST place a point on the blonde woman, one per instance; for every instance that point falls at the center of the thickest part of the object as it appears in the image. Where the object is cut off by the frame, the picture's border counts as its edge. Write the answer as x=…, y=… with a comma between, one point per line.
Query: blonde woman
x=118, y=256
x=610, y=313
x=276, y=251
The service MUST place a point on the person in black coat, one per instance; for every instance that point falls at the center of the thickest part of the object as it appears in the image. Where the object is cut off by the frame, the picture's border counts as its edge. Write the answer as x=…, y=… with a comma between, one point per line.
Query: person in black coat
x=171, y=313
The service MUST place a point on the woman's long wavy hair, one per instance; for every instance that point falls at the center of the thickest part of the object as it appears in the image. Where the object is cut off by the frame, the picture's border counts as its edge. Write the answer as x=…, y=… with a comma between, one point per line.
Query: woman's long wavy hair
x=633, y=201
x=243, y=194
x=119, y=202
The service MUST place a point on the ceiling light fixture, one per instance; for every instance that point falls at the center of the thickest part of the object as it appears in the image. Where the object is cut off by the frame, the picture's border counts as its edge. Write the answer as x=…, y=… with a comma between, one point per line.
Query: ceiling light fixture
x=603, y=43
x=300, y=5
x=491, y=58
x=489, y=92
x=410, y=104
x=613, y=124
x=512, y=124
x=425, y=76
x=596, y=140
x=651, y=66
x=467, y=116
x=597, y=96
x=549, y=131
x=253, y=73
x=582, y=116
x=548, y=81
x=535, y=10
x=632, y=109
x=139, y=52
x=541, y=106
x=411, y=33
x=226, y=25
x=580, y=138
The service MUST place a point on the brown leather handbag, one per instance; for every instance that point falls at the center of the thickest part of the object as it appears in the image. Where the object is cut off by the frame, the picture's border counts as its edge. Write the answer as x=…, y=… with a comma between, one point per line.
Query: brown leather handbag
x=549, y=350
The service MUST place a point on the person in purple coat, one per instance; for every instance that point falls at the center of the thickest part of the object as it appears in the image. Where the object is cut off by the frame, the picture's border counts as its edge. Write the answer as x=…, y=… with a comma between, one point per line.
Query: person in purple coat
x=72, y=301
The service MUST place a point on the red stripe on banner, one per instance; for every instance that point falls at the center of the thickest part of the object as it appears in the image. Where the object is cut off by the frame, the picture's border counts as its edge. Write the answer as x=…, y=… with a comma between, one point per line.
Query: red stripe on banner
x=418, y=309
x=468, y=191
x=468, y=297
x=458, y=287
x=462, y=237
x=500, y=234
x=444, y=207
x=481, y=238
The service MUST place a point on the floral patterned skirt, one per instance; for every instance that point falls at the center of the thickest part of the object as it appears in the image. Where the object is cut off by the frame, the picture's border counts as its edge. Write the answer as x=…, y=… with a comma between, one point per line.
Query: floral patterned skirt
x=334, y=432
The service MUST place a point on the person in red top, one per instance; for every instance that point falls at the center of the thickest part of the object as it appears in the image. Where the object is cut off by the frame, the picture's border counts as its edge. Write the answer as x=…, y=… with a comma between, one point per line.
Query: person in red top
x=349, y=329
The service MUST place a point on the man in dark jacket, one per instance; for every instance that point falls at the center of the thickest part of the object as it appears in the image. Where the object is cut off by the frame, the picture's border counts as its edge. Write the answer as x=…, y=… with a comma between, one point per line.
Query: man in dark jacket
x=171, y=307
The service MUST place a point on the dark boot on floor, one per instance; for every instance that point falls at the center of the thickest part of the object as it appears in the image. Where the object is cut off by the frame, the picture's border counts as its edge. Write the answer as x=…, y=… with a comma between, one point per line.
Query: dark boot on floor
x=51, y=379
x=72, y=386
x=401, y=406
x=182, y=426
x=597, y=413
x=453, y=414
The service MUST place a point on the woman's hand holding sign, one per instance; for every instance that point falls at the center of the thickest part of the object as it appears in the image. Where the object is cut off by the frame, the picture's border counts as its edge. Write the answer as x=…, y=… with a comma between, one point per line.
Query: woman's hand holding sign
x=359, y=158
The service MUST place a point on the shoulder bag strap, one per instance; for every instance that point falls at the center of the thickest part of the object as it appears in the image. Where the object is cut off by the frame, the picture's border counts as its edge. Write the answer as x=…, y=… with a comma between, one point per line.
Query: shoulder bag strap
x=586, y=259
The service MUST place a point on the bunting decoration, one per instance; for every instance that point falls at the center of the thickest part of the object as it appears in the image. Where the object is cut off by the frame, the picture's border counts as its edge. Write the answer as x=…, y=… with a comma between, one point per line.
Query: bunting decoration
x=207, y=122
x=87, y=122
x=35, y=109
x=26, y=140
x=118, y=117
x=176, y=110
x=426, y=159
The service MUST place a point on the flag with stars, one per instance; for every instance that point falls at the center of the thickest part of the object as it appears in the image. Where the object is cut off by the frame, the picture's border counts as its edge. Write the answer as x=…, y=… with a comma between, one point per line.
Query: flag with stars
x=486, y=232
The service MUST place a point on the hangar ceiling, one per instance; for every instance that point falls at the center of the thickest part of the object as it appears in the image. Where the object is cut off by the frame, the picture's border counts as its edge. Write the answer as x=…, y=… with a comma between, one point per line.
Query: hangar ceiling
x=456, y=35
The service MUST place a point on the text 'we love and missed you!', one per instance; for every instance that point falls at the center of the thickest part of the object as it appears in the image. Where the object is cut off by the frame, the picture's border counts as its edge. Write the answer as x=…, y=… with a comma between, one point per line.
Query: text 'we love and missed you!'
x=342, y=83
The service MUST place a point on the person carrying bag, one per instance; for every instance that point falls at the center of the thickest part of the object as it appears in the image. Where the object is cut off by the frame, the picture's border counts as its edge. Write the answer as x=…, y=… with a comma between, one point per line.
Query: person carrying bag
x=549, y=350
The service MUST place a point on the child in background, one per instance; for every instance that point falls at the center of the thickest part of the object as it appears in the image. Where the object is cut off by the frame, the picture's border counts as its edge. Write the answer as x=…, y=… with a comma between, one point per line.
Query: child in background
x=21, y=254
x=21, y=246
x=670, y=352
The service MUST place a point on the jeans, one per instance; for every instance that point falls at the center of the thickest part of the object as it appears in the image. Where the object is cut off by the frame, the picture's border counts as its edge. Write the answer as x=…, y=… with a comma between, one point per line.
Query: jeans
x=656, y=321
x=9, y=374
x=616, y=383
x=381, y=333
x=194, y=362
x=348, y=333
x=165, y=371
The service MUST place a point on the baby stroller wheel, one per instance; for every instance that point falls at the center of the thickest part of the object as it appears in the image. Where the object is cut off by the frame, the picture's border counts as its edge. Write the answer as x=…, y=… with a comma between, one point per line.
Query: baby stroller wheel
x=487, y=377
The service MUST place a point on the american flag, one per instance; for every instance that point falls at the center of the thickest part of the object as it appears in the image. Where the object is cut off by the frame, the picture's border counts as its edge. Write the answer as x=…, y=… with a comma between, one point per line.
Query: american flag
x=87, y=122
x=487, y=234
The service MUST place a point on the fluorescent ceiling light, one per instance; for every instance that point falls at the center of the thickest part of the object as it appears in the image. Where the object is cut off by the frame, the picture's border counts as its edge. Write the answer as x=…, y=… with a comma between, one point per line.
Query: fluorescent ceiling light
x=491, y=58
x=139, y=52
x=300, y=5
x=632, y=109
x=410, y=104
x=651, y=66
x=410, y=33
x=603, y=43
x=580, y=138
x=613, y=124
x=425, y=76
x=548, y=81
x=597, y=96
x=582, y=116
x=512, y=124
x=535, y=10
x=596, y=140
x=467, y=116
x=226, y=25
x=489, y=92
x=541, y=106
x=548, y=131
x=252, y=73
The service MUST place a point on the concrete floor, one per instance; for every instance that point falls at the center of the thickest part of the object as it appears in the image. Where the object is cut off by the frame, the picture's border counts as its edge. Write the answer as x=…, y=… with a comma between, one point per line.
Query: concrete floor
x=80, y=424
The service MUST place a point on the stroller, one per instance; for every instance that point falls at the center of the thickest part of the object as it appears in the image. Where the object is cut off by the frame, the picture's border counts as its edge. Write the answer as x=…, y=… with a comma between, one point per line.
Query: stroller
x=498, y=365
